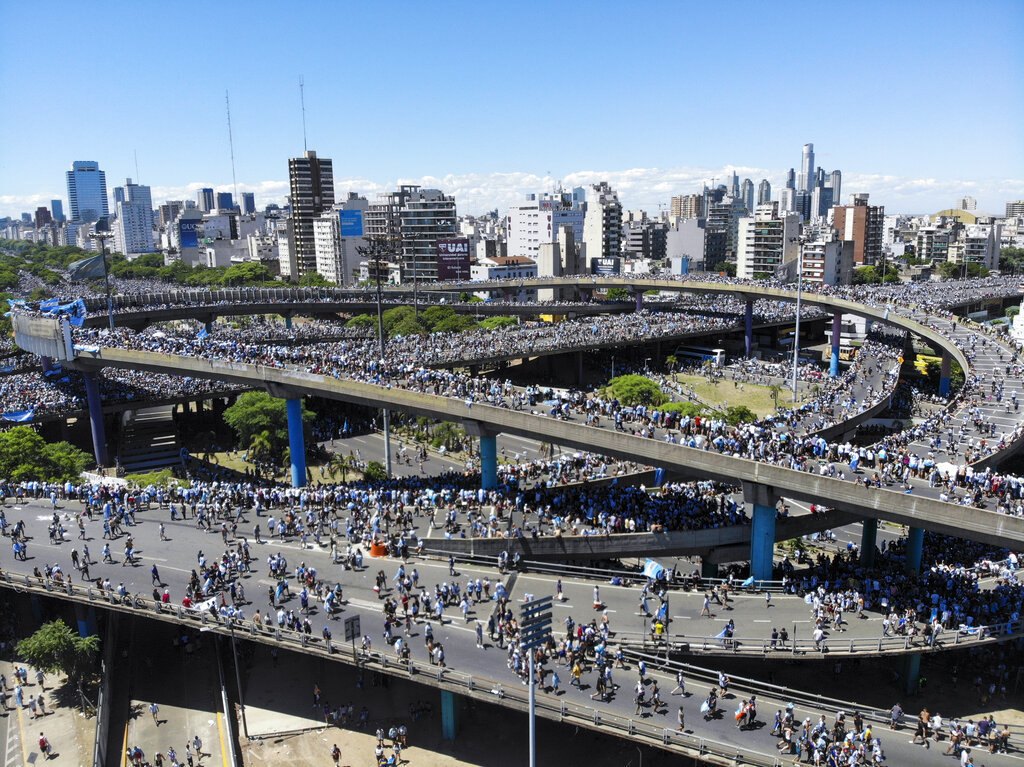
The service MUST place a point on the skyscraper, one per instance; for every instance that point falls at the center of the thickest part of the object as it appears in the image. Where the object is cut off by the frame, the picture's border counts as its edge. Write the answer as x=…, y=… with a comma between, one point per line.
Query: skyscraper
x=57, y=209
x=764, y=192
x=311, y=182
x=791, y=179
x=248, y=203
x=224, y=201
x=836, y=179
x=87, y=191
x=806, y=180
x=205, y=199
x=602, y=224
x=747, y=194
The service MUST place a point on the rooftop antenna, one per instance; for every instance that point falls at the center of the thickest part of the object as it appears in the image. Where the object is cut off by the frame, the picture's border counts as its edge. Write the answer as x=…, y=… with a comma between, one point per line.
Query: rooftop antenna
x=137, y=179
x=302, y=99
x=231, y=144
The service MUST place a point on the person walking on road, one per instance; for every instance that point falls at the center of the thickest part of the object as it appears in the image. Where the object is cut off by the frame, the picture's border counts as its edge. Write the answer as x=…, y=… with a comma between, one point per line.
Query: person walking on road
x=154, y=709
x=44, y=746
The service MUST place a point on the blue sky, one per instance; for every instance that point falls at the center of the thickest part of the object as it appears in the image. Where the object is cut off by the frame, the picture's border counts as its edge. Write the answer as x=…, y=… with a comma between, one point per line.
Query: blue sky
x=917, y=103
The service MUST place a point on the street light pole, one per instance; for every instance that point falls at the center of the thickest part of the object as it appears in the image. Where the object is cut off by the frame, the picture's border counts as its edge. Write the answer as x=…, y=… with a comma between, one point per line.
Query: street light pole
x=238, y=682
x=375, y=250
x=799, y=297
x=102, y=237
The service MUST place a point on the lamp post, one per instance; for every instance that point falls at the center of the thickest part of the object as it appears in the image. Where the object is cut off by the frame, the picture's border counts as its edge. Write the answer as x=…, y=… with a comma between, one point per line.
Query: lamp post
x=375, y=250
x=102, y=238
x=799, y=303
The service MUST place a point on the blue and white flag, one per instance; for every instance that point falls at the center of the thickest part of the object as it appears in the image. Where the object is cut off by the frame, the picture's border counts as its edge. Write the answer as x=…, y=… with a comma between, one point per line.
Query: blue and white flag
x=20, y=416
x=87, y=268
x=202, y=333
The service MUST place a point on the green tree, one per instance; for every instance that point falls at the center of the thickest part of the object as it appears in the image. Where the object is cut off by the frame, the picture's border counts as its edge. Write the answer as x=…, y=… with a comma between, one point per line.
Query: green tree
x=457, y=323
x=1011, y=260
x=737, y=414
x=502, y=321
x=261, y=446
x=340, y=464
x=255, y=412
x=396, y=315
x=363, y=321
x=632, y=390
x=729, y=269
x=408, y=326
x=375, y=472
x=618, y=294
x=775, y=390
x=432, y=315
x=55, y=649
x=315, y=280
x=691, y=409
x=26, y=456
x=952, y=271
x=671, y=361
x=249, y=273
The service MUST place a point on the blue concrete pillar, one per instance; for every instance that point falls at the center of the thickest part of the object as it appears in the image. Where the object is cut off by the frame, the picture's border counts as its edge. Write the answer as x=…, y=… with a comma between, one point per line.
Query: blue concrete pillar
x=209, y=326
x=868, y=539
x=748, y=328
x=915, y=547
x=449, y=715
x=488, y=462
x=639, y=301
x=762, y=542
x=837, y=333
x=944, y=373
x=46, y=363
x=99, y=435
x=288, y=321
x=85, y=615
x=912, y=672
x=296, y=441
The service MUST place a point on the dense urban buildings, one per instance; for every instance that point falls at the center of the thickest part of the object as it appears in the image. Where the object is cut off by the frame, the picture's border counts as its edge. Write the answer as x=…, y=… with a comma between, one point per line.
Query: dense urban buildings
x=311, y=186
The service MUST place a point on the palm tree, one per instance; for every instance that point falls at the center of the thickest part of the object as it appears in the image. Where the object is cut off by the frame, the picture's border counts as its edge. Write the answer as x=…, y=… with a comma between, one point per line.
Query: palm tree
x=671, y=360
x=775, y=390
x=340, y=464
x=260, y=447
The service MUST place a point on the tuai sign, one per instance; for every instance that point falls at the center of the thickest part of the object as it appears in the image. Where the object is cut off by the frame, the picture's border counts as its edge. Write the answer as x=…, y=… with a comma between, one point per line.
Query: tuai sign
x=453, y=259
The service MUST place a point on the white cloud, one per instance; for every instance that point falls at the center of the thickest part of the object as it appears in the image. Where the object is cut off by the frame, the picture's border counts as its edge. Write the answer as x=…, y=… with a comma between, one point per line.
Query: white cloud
x=637, y=187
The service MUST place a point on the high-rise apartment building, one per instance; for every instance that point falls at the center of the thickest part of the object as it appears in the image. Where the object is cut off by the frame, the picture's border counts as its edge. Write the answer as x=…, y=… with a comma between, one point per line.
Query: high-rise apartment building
x=337, y=234
x=57, y=210
x=687, y=206
x=862, y=224
x=137, y=194
x=835, y=181
x=967, y=203
x=721, y=230
x=1015, y=209
x=602, y=225
x=248, y=203
x=87, y=191
x=43, y=216
x=311, y=183
x=766, y=241
x=205, y=199
x=539, y=218
x=764, y=192
x=413, y=220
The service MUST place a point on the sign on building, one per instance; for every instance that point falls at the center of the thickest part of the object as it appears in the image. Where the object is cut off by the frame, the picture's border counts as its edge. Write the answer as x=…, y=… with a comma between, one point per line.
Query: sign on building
x=453, y=259
x=605, y=265
x=188, y=234
x=351, y=222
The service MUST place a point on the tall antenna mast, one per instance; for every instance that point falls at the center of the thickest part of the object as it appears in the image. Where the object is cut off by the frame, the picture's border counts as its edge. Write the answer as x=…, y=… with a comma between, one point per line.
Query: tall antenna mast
x=302, y=99
x=137, y=179
x=231, y=144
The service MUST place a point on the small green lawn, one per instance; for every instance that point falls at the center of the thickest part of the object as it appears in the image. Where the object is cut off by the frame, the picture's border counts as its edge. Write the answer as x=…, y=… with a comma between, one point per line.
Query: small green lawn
x=757, y=398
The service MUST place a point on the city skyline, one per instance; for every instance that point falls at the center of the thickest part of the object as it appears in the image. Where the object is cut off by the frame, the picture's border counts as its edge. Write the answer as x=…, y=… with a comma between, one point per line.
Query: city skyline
x=486, y=132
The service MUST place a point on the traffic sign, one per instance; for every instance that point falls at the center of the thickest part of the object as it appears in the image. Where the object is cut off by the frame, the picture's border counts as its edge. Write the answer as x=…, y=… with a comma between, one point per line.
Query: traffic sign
x=352, y=628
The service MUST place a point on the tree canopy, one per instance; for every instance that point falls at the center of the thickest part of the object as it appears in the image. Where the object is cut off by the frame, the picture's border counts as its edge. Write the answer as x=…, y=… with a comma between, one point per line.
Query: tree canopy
x=55, y=648
x=26, y=456
x=256, y=412
x=632, y=390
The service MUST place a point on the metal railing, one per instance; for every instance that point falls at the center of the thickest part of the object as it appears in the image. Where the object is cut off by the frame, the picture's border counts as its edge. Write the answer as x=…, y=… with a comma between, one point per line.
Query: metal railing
x=479, y=687
x=760, y=646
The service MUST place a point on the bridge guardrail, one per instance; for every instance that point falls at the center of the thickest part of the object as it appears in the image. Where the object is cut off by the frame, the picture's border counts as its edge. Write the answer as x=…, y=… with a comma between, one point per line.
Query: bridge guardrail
x=760, y=646
x=479, y=687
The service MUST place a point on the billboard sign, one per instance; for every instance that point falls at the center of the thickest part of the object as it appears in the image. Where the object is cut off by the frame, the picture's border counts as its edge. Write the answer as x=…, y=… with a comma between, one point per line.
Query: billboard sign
x=605, y=265
x=189, y=236
x=453, y=259
x=351, y=223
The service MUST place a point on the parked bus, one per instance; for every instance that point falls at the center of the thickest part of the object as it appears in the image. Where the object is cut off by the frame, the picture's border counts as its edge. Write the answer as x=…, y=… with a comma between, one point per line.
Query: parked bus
x=715, y=356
